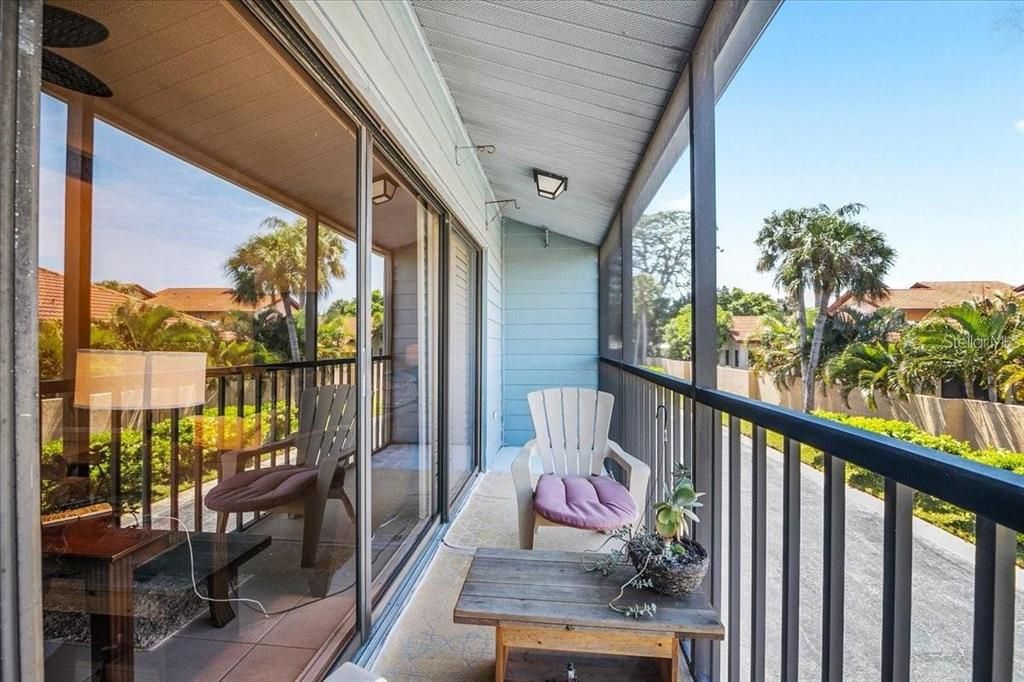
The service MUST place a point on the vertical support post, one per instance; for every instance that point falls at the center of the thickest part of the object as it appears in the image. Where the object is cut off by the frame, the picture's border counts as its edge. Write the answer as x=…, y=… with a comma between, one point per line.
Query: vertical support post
x=364, y=383
x=77, y=272
x=312, y=284
x=896, y=596
x=705, y=338
x=994, y=573
x=834, y=572
x=441, y=388
x=21, y=612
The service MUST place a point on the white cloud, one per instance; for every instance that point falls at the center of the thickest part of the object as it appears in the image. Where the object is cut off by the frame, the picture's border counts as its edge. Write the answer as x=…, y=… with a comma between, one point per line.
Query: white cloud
x=1019, y=125
x=682, y=204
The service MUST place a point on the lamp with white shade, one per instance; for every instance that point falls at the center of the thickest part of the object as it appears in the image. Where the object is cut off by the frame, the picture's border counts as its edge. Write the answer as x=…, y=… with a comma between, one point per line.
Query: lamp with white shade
x=121, y=380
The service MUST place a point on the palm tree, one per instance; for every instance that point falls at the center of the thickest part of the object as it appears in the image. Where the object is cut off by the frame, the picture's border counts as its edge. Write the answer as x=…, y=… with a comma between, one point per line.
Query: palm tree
x=874, y=368
x=136, y=326
x=1011, y=375
x=778, y=353
x=239, y=352
x=827, y=252
x=272, y=265
x=967, y=341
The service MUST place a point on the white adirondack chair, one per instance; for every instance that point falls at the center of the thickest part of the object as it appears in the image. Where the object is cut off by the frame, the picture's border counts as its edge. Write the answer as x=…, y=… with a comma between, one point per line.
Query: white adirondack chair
x=571, y=426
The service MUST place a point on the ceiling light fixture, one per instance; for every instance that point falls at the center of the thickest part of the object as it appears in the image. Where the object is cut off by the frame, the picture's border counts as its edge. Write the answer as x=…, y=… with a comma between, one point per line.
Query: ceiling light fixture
x=548, y=184
x=383, y=189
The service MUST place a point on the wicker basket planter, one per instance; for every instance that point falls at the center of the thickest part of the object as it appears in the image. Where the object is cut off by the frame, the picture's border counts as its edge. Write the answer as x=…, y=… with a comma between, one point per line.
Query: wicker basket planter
x=676, y=572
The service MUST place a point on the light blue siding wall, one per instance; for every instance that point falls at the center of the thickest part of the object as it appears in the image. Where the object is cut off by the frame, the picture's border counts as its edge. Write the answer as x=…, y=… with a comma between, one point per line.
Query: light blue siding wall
x=550, y=331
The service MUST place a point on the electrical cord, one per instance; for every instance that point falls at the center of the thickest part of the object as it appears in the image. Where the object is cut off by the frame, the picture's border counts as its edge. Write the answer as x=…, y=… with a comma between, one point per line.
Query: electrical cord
x=192, y=574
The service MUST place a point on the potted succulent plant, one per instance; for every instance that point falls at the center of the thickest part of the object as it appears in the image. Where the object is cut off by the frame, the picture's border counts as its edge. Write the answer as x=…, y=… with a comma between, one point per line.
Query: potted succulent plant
x=666, y=560
x=673, y=563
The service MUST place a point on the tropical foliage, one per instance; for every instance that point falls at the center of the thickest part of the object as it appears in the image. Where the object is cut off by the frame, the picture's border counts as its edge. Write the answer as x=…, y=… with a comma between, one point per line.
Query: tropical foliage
x=779, y=353
x=137, y=326
x=254, y=427
x=678, y=333
x=873, y=368
x=972, y=342
x=661, y=276
x=51, y=349
x=826, y=252
x=741, y=302
x=978, y=344
x=272, y=265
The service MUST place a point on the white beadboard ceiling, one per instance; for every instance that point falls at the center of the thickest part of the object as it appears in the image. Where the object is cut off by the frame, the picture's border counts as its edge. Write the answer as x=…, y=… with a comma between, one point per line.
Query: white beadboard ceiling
x=571, y=87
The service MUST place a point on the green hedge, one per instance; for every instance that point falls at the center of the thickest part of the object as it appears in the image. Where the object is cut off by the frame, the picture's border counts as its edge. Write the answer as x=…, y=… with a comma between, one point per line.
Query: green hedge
x=56, y=493
x=946, y=516
x=994, y=457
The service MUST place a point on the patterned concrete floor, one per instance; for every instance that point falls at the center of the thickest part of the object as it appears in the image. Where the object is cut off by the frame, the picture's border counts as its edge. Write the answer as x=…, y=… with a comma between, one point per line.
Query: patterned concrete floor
x=425, y=645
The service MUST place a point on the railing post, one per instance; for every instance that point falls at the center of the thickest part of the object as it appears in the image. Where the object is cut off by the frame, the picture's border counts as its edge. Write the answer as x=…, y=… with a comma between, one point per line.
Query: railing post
x=791, y=561
x=896, y=595
x=735, y=547
x=834, y=572
x=994, y=573
x=758, y=551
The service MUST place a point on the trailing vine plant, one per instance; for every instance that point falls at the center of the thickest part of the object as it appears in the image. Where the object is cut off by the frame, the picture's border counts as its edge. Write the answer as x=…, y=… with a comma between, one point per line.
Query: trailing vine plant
x=645, y=550
x=608, y=563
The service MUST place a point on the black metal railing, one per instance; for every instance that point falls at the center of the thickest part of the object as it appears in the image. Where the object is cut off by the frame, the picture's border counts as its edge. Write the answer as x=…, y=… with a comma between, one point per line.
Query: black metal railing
x=146, y=463
x=658, y=415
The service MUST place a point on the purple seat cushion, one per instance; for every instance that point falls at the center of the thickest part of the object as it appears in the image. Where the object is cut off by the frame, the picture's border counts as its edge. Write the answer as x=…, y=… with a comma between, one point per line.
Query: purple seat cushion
x=261, y=489
x=591, y=502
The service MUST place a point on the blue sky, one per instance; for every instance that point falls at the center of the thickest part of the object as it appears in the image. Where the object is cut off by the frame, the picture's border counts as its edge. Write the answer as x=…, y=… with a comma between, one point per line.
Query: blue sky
x=915, y=109
x=157, y=221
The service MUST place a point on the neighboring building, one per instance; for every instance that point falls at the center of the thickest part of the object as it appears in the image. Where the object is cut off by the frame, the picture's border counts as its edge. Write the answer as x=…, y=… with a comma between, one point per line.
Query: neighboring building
x=102, y=301
x=746, y=330
x=211, y=304
x=922, y=298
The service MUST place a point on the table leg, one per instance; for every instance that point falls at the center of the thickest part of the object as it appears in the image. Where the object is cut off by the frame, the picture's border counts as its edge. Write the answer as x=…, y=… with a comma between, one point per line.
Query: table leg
x=500, y=655
x=109, y=588
x=217, y=585
x=669, y=667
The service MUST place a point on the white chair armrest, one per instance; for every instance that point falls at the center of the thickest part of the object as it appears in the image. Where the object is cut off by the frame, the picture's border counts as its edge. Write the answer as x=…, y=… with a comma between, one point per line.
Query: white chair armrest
x=637, y=475
x=523, y=482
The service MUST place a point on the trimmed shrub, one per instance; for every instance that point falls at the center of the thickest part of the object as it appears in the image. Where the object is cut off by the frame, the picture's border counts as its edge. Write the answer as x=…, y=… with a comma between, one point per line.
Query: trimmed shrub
x=946, y=516
x=57, y=494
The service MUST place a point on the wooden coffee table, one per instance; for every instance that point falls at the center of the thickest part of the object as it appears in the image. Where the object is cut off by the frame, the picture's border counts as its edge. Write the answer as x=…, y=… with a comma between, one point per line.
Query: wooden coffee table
x=541, y=602
x=113, y=558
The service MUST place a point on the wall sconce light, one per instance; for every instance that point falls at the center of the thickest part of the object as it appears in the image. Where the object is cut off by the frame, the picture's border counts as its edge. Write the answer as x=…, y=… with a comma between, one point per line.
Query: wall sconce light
x=383, y=189
x=548, y=184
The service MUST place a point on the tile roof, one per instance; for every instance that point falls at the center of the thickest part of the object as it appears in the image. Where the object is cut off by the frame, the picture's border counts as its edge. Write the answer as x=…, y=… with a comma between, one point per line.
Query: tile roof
x=930, y=295
x=745, y=326
x=102, y=301
x=204, y=300
x=51, y=298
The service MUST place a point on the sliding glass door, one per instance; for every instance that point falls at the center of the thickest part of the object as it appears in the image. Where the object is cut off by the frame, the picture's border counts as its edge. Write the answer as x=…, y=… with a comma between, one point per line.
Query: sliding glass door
x=463, y=361
x=404, y=466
